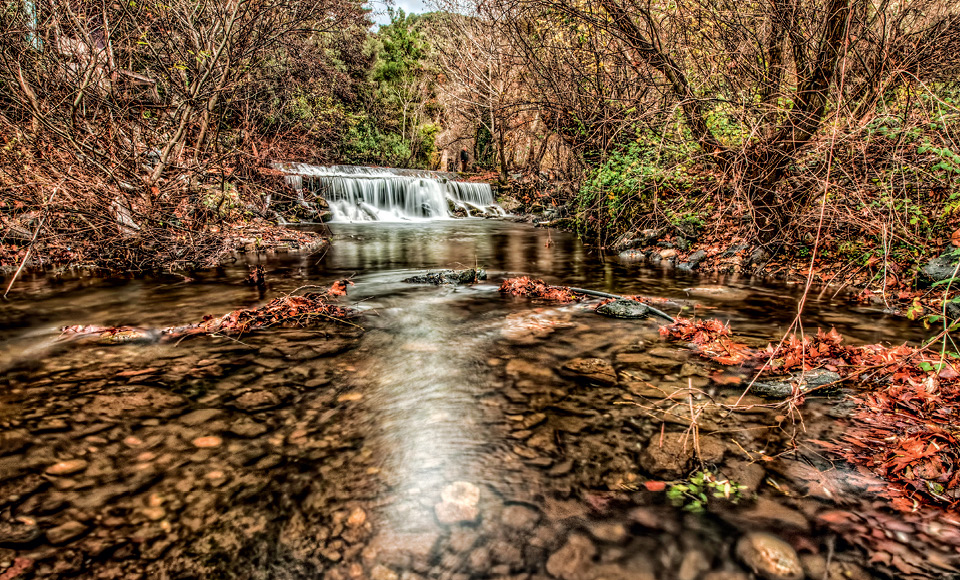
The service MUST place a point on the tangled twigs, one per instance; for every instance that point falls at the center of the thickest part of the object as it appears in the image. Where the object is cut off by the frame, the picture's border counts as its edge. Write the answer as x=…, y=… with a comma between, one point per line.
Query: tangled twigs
x=189, y=220
x=26, y=255
x=286, y=310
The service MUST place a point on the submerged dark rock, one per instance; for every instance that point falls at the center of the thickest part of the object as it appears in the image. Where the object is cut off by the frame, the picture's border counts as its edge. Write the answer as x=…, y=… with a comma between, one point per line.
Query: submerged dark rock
x=467, y=276
x=667, y=456
x=624, y=308
x=808, y=381
x=14, y=534
x=66, y=533
x=592, y=370
x=572, y=560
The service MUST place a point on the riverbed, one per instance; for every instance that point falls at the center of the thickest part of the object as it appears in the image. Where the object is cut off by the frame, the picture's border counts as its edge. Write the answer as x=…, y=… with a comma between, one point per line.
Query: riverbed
x=450, y=432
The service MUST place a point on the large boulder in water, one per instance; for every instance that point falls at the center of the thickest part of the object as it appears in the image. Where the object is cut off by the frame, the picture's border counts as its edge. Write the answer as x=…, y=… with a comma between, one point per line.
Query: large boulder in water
x=467, y=276
x=624, y=308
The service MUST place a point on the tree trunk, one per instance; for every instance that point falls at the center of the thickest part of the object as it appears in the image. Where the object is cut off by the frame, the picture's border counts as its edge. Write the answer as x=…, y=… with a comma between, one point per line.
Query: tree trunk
x=765, y=165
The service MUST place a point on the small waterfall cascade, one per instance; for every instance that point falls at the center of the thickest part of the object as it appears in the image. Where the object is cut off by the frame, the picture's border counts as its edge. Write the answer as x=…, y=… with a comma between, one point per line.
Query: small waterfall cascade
x=358, y=194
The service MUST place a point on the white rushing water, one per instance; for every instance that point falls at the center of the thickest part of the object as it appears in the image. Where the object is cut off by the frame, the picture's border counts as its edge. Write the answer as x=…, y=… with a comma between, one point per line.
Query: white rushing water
x=358, y=194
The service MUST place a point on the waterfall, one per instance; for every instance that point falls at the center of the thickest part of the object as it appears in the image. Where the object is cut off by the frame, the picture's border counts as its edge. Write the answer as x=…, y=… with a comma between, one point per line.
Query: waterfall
x=383, y=194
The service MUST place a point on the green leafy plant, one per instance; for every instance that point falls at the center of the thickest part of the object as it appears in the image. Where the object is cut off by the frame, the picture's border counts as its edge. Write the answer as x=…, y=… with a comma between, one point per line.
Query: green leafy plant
x=949, y=161
x=694, y=493
x=621, y=189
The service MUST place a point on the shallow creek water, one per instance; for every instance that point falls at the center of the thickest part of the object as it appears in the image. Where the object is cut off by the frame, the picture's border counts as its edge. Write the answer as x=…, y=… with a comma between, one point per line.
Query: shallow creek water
x=454, y=433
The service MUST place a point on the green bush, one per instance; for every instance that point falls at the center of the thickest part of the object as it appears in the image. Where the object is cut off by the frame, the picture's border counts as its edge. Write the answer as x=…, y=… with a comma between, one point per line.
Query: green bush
x=617, y=192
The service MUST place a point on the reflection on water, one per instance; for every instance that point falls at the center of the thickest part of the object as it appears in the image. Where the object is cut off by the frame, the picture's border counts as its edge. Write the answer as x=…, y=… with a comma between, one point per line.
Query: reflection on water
x=420, y=395
x=461, y=434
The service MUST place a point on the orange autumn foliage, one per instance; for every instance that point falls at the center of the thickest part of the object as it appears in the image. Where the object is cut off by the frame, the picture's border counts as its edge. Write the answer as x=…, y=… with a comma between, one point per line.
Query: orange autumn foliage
x=712, y=338
x=279, y=311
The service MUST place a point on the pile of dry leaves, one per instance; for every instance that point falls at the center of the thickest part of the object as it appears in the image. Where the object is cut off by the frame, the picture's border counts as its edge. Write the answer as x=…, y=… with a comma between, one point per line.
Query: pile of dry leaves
x=903, y=426
x=712, y=339
x=524, y=286
x=286, y=310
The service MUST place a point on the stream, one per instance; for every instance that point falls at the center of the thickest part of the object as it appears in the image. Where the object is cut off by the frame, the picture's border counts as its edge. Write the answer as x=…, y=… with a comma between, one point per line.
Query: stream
x=451, y=433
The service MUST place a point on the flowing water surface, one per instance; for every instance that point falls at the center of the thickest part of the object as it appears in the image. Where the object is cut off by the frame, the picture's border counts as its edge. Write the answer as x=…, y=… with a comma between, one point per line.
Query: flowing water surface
x=451, y=433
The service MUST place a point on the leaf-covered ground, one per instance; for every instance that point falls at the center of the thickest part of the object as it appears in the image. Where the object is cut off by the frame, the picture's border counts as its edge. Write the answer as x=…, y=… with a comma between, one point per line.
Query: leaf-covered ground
x=906, y=403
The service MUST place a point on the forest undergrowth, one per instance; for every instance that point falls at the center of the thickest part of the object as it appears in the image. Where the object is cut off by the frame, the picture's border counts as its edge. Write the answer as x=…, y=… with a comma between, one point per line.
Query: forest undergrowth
x=191, y=222
x=879, y=224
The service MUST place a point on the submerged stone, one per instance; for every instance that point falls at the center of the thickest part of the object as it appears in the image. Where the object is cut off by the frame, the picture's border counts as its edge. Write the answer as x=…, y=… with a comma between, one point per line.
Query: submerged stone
x=68, y=467
x=519, y=517
x=624, y=308
x=668, y=456
x=455, y=277
x=65, y=533
x=594, y=370
x=459, y=503
x=573, y=560
x=810, y=380
x=15, y=534
x=717, y=293
x=769, y=557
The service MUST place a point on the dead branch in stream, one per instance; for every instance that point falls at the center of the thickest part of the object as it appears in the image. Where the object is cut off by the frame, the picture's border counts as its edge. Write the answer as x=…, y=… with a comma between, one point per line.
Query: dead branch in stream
x=296, y=310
